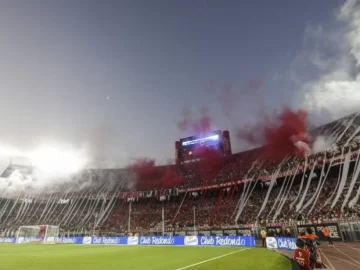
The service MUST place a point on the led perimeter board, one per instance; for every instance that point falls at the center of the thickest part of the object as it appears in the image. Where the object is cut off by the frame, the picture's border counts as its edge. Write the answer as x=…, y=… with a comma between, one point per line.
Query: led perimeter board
x=186, y=148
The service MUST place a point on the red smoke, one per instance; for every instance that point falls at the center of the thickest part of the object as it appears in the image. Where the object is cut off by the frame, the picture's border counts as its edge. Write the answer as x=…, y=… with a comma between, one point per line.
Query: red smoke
x=255, y=84
x=211, y=161
x=149, y=176
x=230, y=96
x=195, y=126
x=171, y=177
x=228, y=99
x=283, y=135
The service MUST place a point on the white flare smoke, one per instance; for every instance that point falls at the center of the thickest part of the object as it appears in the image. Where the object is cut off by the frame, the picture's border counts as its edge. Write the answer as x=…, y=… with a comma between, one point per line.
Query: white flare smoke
x=322, y=144
x=46, y=166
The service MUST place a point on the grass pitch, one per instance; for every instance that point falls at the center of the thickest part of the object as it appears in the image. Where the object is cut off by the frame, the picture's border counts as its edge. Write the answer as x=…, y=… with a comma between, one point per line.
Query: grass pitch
x=92, y=257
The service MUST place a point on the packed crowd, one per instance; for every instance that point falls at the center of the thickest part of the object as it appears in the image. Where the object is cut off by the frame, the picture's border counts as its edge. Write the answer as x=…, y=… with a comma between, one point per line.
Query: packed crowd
x=217, y=209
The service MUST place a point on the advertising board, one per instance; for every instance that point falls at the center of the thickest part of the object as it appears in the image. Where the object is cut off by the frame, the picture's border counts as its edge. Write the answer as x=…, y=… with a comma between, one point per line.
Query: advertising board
x=230, y=241
x=334, y=229
x=281, y=243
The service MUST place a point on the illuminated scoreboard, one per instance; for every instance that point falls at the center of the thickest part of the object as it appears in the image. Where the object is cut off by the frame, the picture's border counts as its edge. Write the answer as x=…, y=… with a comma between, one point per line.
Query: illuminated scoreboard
x=188, y=148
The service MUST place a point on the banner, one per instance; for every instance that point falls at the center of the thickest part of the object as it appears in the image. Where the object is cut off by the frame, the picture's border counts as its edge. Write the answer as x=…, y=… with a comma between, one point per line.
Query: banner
x=69, y=240
x=244, y=232
x=334, y=229
x=236, y=241
x=8, y=240
x=58, y=240
x=161, y=240
x=230, y=233
x=109, y=240
x=216, y=233
x=204, y=233
x=281, y=243
x=28, y=240
x=230, y=241
x=225, y=232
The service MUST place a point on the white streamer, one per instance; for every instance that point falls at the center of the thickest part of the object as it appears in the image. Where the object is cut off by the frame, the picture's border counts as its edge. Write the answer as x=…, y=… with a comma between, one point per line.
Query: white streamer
x=353, y=181
x=245, y=195
x=278, y=211
x=354, y=201
x=322, y=185
x=279, y=194
x=343, y=180
x=298, y=206
x=347, y=127
x=301, y=185
x=320, y=182
x=272, y=182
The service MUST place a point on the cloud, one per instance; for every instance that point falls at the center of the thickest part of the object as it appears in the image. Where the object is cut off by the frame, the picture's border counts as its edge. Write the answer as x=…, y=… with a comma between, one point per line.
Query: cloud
x=326, y=73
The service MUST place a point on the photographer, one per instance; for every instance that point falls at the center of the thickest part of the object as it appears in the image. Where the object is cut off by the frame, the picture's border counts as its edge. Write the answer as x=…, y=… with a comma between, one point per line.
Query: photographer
x=312, y=244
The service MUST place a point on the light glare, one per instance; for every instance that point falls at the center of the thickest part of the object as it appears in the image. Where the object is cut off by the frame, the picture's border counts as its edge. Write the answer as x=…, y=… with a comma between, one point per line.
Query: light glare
x=52, y=160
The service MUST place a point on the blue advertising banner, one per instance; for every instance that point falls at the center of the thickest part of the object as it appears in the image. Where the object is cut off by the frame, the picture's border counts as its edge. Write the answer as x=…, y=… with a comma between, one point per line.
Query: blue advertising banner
x=8, y=240
x=281, y=243
x=162, y=240
x=69, y=240
x=108, y=240
x=26, y=240
x=235, y=241
x=229, y=241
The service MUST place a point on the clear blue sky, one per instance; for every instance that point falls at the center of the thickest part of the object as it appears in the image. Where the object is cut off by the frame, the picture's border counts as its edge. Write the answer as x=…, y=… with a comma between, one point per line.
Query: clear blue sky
x=60, y=60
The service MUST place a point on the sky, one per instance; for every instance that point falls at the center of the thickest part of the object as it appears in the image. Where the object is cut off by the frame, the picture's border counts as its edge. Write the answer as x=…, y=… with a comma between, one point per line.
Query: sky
x=115, y=75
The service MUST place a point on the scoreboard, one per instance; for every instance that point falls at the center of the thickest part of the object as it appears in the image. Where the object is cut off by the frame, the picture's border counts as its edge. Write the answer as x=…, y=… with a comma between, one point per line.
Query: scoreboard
x=187, y=149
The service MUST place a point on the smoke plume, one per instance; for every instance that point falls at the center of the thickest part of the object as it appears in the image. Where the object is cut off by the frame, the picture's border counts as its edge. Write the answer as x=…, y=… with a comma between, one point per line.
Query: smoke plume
x=283, y=134
x=146, y=175
x=333, y=56
x=198, y=126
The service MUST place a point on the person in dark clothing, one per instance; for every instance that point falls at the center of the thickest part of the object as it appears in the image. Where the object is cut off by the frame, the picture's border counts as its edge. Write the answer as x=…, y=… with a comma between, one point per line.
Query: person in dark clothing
x=312, y=243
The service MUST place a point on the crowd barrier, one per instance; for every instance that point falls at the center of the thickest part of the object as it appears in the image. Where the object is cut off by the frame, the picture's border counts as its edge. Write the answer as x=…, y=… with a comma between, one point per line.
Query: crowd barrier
x=281, y=243
x=235, y=241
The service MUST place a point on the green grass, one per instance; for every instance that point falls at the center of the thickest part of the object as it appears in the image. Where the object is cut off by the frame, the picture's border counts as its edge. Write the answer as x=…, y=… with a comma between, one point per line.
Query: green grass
x=92, y=257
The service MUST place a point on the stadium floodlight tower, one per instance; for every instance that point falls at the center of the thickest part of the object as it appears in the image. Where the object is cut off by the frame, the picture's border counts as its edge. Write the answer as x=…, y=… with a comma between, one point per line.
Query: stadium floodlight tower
x=45, y=234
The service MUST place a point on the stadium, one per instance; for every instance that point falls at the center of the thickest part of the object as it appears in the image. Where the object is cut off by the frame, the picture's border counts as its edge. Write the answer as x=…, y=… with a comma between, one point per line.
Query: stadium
x=206, y=211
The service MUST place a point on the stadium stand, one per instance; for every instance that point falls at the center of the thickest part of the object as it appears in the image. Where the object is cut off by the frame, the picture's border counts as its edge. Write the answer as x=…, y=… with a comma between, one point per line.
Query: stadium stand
x=104, y=204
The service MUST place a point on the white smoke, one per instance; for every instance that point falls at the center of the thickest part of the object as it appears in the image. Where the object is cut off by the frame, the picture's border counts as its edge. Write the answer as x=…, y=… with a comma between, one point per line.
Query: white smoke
x=335, y=57
x=45, y=167
x=322, y=144
x=97, y=142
